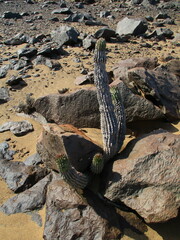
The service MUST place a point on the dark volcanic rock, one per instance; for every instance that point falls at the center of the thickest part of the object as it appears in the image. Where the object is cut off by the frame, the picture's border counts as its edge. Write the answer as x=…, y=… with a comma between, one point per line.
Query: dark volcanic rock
x=4, y=70
x=4, y=95
x=52, y=64
x=89, y=42
x=131, y=26
x=146, y=176
x=62, y=11
x=22, y=63
x=65, y=35
x=27, y=52
x=78, y=17
x=18, y=176
x=56, y=140
x=18, y=39
x=9, y=15
x=14, y=80
x=105, y=33
x=17, y=128
x=29, y=200
x=69, y=217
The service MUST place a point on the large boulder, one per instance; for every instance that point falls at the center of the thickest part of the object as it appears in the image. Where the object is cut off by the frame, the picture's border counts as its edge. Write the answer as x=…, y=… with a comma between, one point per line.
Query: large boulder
x=159, y=86
x=81, y=108
x=66, y=139
x=146, y=176
x=128, y=26
x=72, y=216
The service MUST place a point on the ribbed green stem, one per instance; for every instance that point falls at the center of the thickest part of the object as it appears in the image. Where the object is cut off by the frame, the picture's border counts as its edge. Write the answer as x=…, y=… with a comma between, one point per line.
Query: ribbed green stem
x=97, y=163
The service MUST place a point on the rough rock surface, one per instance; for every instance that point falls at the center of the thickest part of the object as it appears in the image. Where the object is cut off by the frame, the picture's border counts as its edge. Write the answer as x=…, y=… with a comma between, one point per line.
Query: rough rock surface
x=34, y=159
x=81, y=109
x=29, y=200
x=4, y=95
x=131, y=26
x=146, y=177
x=5, y=153
x=66, y=139
x=17, y=128
x=18, y=176
x=69, y=217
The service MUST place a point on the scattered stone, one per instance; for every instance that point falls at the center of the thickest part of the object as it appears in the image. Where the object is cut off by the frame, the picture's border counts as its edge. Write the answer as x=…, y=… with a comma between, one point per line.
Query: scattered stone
x=9, y=15
x=22, y=63
x=86, y=79
x=26, y=52
x=18, y=176
x=14, y=80
x=105, y=33
x=62, y=11
x=79, y=17
x=146, y=177
x=52, y=64
x=33, y=160
x=94, y=23
x=162, y=16
x=4, y=70
x=104, y=14
x=31, y=199
x=131, y=26
x=65, y=35
x=89, y=42
x=18, y=39
x=4, y=95
x=5, y=153
x=67, y=140
x=17, y=128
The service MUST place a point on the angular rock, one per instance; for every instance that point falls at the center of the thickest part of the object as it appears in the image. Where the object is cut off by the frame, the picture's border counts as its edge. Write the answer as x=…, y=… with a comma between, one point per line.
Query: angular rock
x=14, y=80
x=131, y=26
x=52, y=64
x=31, y=199
x=18, y=39
x=65, y=35
x=121, y=68
x=4, y=95
x=62, y=11
x=26, y=52
x=159, y=86
x=5, y=153
x=104, y=14
x=13, y=15
x=162, y=33
x=56, y=140
x=34, y=159
x=22, y=63
x=89, y=42
x=79, y=108
x=18, y=176
x=17, y=128
x=146, y=176
x=78, y=17
x=105, y=33
x=4, y=70
x=69, y=217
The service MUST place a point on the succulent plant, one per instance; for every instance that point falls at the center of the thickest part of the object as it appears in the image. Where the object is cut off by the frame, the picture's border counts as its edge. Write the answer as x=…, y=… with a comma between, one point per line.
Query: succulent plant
x=70, y=174
x=112, y=126
x=97, y=163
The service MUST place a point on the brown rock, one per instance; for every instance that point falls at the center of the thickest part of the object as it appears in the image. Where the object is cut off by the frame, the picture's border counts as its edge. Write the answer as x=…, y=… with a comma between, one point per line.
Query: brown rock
x=146, y=177
x=66, y=139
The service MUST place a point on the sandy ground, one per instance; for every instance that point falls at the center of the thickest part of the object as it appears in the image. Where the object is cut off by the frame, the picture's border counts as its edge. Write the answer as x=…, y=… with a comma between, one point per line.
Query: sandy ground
x=21, y=226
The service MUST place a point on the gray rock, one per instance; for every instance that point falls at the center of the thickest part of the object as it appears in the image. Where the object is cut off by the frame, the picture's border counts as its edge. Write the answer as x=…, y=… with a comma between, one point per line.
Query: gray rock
x=17, y=128
x=62, y=11
x=4, y=70
x=89, y=42
x=105, y=33
x=78, y=17
x=146, y=176
x=22, y=63
x=67, y=140
x=69, y=217
x=31, y=199
x=162, y=33
x=52, y=64
x=18, y=176
x=159, y=86
x=14, y=80
x=104, y=14
x=13, y=15
x=162, y=16
x=18, y=39
x=34, y=159
x=65, y=35
x=4, y=95
x=131, y=26
x=5, y=153
x=26, y=52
